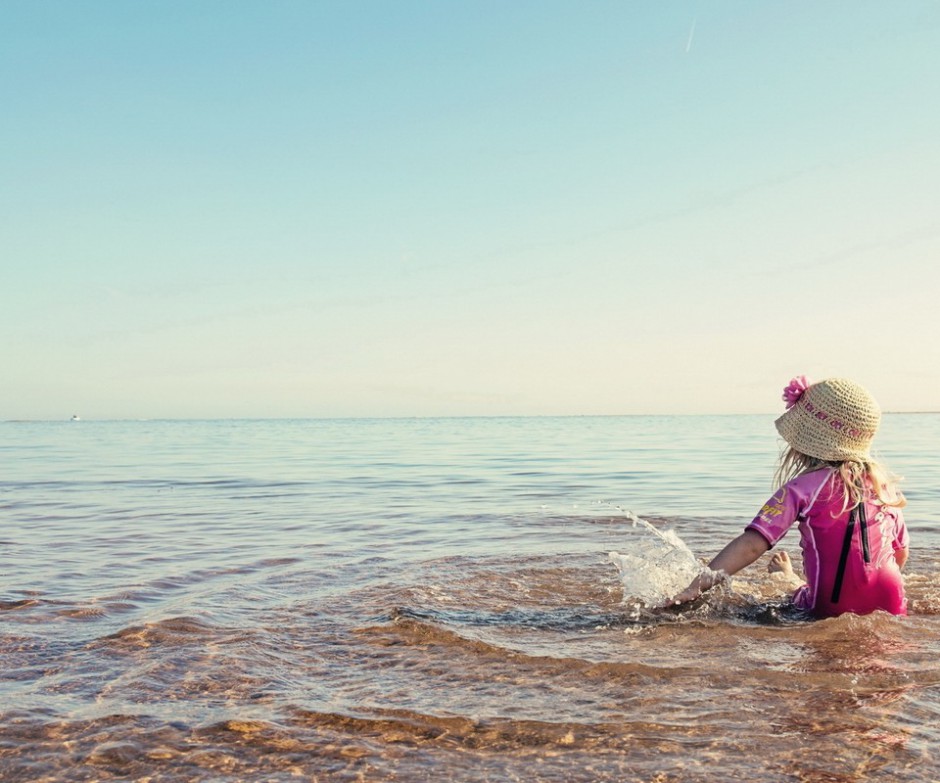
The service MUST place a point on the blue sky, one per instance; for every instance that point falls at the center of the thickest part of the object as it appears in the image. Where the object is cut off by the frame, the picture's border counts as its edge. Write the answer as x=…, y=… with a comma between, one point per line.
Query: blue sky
x=219, y=209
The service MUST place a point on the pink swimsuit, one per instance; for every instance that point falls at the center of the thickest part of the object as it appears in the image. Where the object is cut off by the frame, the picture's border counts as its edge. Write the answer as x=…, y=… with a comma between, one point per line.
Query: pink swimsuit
x=848, y=556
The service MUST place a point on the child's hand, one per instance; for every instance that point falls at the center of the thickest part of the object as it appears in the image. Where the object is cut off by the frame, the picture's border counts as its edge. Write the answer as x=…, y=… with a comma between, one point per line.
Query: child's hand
x=700, y=584
x=690, y=593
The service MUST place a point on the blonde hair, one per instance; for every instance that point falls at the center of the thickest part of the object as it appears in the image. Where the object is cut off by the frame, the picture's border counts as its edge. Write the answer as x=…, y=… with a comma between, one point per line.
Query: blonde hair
x=859, y=477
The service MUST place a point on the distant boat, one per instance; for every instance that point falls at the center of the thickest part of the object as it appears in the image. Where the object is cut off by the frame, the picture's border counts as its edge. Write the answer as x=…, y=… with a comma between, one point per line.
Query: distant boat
x=76, y=417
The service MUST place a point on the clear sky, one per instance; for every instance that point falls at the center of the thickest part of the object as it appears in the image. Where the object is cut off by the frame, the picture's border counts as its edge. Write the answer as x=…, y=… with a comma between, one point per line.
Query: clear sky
x=231, y=208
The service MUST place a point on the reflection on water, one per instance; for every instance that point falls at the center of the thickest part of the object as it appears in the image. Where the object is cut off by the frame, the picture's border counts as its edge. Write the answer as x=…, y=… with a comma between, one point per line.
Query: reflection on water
x=238, y=601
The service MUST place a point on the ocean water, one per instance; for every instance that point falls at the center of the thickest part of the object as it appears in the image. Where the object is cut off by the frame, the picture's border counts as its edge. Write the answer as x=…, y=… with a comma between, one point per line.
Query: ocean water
x=435, y=599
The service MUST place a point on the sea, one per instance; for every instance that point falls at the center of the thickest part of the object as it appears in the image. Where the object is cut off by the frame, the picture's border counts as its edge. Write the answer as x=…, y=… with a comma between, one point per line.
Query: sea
x=439, y=599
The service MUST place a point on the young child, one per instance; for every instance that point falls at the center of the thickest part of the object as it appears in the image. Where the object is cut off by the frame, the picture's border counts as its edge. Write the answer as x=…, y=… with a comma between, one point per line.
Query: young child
x=852, y=532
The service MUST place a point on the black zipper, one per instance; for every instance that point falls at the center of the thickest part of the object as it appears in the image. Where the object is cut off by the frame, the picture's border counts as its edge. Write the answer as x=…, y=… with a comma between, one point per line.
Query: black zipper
x=863, y=530
x=843, y=558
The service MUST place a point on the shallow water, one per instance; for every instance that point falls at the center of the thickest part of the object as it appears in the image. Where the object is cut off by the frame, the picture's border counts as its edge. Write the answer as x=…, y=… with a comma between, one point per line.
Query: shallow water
x=434, y=600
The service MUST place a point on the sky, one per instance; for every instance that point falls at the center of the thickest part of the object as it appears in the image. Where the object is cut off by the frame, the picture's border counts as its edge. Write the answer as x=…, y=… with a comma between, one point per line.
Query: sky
x=228, y=208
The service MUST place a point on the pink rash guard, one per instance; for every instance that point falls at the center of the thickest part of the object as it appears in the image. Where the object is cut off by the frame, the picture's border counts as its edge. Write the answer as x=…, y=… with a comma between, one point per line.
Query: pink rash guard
x=871, y=578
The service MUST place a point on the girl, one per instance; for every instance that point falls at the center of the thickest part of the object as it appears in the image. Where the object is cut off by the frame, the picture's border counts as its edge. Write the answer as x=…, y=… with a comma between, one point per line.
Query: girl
x=852, y=531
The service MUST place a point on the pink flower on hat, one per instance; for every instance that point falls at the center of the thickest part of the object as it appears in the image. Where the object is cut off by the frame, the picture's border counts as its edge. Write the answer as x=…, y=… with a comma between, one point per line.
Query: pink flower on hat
x=794, y=390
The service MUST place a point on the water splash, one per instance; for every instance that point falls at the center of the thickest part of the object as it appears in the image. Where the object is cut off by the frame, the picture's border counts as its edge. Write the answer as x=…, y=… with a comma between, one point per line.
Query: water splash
x=657, y=565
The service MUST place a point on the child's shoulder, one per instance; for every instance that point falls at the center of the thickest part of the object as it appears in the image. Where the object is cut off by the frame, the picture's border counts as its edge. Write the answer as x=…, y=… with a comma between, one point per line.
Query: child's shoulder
x=811, y=480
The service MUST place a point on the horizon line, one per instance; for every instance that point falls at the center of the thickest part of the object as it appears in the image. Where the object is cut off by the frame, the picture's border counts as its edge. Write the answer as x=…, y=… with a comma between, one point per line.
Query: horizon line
x=406, y=417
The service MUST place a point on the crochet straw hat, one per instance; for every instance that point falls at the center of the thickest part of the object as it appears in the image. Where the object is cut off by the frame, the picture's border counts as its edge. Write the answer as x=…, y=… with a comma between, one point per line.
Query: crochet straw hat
x=832, y=420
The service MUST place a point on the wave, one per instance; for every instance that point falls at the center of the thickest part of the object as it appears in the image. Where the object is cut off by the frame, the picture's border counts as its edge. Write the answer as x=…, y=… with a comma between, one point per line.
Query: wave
x=564, y=618
x=502, y=653
x=171, y=632
x=490, y=733
x=22, y=603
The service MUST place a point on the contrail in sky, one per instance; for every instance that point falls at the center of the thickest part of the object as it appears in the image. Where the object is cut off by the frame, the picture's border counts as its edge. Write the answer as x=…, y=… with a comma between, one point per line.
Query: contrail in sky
x=688, y=44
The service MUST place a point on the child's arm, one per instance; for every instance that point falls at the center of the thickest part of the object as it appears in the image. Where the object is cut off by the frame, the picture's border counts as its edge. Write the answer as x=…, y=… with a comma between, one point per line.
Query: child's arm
x=900, y=556
x=741, y=552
